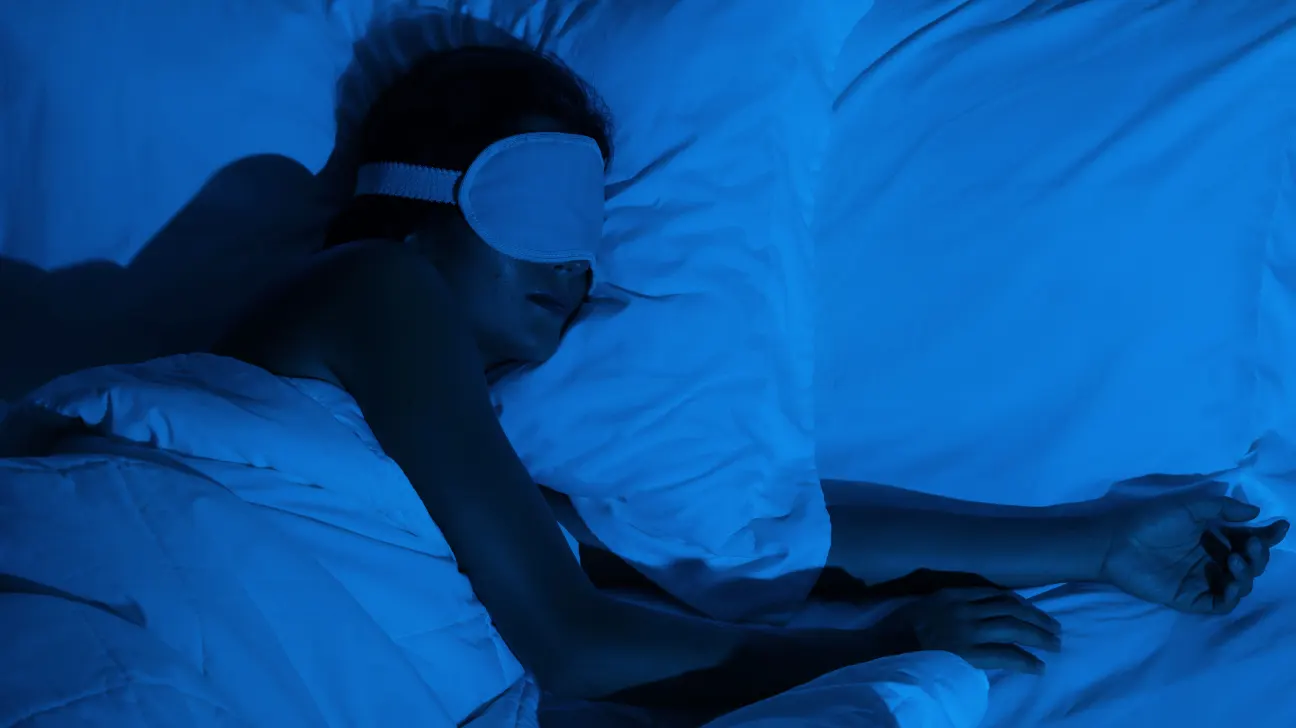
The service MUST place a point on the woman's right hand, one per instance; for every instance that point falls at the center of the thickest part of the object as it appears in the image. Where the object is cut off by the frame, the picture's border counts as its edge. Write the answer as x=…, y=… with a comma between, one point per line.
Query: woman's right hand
x=987, y=626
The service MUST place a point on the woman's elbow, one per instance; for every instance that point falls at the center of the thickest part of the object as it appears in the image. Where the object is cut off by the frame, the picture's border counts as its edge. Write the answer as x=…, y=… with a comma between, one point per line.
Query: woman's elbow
x=621, y=645
x=572, y=667
x=565, y=648
x=568, y=684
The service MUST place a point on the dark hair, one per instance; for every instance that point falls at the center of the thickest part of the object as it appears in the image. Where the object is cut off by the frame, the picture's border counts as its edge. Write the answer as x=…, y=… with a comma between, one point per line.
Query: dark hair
x=447, y=109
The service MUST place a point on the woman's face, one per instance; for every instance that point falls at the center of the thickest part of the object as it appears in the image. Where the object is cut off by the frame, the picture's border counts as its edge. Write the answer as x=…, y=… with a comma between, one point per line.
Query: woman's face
x=518, y=310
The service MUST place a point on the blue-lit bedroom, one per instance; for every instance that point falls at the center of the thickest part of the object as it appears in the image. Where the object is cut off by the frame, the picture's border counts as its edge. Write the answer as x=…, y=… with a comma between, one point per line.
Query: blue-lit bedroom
x=647, y=363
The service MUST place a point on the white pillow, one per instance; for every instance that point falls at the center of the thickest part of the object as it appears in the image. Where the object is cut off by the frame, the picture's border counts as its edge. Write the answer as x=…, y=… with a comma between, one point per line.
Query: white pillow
x=156, y=172
x=678, y=413
x=116, y=112
x=1055, y=243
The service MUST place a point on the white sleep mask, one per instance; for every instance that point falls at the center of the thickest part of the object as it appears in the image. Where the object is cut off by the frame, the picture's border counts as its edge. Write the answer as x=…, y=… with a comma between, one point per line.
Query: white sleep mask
x=536, y=197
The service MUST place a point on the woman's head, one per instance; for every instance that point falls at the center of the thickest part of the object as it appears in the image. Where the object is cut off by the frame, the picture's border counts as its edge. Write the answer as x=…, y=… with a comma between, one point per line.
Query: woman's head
x=448, y=108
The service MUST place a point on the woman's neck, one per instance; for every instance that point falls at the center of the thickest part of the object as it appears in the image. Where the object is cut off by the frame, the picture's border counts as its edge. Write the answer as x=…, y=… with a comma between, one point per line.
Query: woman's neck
x=500, y=369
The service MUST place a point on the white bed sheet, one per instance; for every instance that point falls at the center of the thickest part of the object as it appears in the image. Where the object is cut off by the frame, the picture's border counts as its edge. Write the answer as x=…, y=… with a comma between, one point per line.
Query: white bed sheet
x=919, y=384
x=1055, y=245
x=1128, y=664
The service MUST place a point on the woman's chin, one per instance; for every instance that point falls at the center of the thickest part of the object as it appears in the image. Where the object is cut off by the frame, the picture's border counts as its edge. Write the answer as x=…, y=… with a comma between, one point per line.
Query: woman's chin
x=539, y=353
x=497, y=372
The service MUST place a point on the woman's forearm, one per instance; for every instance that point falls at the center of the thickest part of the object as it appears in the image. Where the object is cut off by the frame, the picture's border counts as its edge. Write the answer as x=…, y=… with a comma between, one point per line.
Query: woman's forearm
x=765, y=664
x=637, y=655
x=1029, y=547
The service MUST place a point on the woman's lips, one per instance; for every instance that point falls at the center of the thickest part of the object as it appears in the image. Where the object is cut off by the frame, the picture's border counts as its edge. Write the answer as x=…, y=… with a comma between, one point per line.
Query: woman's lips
x=549, y=303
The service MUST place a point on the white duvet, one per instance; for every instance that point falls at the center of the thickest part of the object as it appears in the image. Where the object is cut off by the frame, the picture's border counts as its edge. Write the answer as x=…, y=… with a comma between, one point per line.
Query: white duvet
x=230, y=548
x=235, y=549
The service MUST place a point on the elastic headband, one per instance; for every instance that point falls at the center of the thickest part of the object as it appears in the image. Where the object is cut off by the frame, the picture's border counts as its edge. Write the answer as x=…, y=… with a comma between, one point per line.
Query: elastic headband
x=536, y=197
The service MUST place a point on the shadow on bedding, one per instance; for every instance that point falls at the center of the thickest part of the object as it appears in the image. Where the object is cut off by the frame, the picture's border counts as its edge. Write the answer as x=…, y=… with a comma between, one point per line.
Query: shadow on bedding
x=252, y=223
x=249, y=225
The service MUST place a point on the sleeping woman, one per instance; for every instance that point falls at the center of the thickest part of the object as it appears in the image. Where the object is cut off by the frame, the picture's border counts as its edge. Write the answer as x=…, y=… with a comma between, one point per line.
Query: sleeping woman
x=467, y=250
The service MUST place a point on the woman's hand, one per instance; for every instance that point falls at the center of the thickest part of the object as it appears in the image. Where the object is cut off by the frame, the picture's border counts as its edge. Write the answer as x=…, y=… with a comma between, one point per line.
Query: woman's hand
x=1191, y=554
x=988, y=627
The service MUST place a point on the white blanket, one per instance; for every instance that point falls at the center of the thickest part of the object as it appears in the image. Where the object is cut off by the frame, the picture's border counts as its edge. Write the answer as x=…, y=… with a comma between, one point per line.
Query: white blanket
x=237, y=553
x=231, y=548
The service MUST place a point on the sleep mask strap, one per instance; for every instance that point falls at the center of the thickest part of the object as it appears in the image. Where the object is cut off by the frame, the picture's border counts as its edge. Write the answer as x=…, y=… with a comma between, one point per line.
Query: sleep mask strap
x=394, y=179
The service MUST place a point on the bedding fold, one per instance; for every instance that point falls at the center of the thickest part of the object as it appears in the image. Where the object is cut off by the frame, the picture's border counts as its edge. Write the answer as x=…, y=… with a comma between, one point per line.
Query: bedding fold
x=238, y=519
x=195, y=541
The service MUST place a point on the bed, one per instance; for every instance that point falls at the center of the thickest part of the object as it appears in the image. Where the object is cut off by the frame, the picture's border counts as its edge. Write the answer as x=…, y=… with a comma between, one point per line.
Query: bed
x=1016, y=252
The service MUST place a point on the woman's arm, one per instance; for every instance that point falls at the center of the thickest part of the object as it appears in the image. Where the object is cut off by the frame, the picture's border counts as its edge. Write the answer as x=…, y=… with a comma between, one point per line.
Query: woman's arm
x=759, y=663
x=606, y=570
x=416, y=376
x=1015, y=547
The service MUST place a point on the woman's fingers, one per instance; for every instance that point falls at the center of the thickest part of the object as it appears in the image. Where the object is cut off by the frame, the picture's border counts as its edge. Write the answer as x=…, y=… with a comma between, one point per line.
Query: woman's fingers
x=1214, y=589
x=1222, y=589
x=1012, y=630
x=1203, y=603
x=1274, y=533
x=998, y=625
x=1012, y=606
x=1003, y=657
x=1237, y=557
x=1199, y=588
x=1254, y=543
x=1257, y=554
x=975, y=594
x=1229, y=601
x=1242, y=573
x=1217, y=544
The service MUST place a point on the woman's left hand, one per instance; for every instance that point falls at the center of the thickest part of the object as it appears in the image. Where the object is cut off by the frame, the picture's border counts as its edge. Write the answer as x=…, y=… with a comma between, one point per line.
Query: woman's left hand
x=1192, y=554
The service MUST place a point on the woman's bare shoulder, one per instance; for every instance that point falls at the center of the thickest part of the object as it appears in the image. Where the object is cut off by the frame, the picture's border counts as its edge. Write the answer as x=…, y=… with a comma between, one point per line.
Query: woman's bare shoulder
x=293, y=329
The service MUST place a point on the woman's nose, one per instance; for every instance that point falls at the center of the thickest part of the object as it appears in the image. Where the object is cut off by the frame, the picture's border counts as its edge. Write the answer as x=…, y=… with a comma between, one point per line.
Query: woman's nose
x=573, y=268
